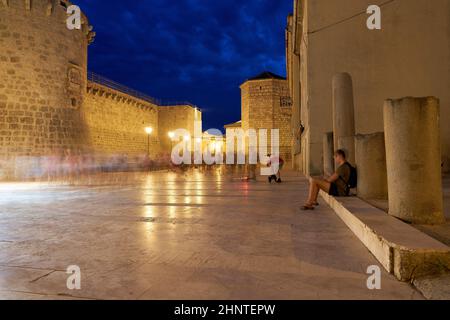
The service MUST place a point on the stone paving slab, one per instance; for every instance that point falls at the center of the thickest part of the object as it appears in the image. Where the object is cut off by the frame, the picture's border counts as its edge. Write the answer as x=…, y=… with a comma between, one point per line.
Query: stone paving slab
x=171, y=236
x=434, y=288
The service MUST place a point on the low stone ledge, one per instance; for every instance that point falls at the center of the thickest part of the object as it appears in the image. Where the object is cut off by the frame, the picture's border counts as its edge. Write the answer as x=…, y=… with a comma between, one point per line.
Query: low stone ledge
x=400, y=248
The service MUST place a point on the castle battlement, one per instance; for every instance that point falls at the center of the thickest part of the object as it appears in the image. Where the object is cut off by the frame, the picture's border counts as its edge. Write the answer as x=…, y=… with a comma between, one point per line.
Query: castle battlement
x=43, y=71
x=53, y=9
x=100, y=90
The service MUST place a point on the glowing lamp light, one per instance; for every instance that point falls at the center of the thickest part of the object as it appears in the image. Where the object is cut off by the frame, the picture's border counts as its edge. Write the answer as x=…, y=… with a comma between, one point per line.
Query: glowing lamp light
x=187, y=138
x=149, y=130
x=171, y=135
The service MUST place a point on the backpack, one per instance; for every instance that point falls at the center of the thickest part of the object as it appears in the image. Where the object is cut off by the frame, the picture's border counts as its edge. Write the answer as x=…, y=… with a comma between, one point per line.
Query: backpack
x=353, y=179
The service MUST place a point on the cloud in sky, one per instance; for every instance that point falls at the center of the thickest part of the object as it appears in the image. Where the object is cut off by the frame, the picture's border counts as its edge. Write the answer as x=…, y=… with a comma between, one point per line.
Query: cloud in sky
x=188, y=50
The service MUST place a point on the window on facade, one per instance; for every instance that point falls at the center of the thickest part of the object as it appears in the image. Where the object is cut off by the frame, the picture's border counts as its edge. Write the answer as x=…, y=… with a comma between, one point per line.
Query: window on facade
x=285, y=102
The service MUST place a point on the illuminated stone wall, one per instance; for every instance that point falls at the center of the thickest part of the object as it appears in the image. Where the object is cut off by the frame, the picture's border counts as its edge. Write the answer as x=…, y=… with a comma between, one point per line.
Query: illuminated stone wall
x=42, y=78
x=116, y=122
x=266, y=105
x=176, y=117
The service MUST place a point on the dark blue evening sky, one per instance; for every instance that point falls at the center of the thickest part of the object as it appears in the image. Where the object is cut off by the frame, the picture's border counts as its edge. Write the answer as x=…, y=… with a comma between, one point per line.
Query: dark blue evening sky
x=188, y=50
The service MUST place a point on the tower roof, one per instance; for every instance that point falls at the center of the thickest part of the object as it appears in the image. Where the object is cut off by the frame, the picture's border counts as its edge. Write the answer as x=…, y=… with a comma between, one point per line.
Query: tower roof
x=267, y=75
x=237, y=124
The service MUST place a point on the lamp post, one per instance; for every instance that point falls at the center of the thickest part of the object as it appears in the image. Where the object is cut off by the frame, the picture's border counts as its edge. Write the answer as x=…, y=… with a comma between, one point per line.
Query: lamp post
x=188, y=145
x=171, y=135
x=149, y=131
x=213, y=147
x=187, y=139
x=199, y=143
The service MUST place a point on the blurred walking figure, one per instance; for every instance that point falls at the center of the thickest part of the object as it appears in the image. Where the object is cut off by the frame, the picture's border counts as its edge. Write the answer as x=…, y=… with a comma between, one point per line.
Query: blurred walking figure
x=275, y=160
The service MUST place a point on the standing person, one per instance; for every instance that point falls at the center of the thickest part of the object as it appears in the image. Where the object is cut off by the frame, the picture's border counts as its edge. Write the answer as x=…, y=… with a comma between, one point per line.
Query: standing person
x=275, y=160
x=337, y=185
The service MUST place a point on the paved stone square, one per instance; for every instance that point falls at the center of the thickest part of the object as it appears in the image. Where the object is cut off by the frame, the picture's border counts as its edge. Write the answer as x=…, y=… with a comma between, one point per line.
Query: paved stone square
x=172, y=236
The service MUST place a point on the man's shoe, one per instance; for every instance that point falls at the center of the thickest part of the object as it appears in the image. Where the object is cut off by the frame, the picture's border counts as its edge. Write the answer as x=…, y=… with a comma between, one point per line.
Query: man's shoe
x=270, y=179
x=279, y=180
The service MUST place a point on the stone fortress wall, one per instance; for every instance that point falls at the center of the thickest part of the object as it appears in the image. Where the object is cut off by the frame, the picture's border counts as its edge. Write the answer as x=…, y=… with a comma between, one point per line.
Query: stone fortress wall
x=47, y=104
x=116, y=122
x=42, y=77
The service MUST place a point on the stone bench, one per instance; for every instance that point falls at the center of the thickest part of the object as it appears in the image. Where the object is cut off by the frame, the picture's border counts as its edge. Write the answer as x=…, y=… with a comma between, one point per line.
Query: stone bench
x=402, y=249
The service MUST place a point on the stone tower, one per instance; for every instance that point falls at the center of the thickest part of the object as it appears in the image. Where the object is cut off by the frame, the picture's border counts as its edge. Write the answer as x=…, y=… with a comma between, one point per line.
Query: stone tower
x=266, y=105
x=43, y=76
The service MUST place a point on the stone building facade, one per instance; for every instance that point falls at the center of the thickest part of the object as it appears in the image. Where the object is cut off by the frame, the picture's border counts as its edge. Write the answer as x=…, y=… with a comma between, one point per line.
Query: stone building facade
x=293, y=78
x=48, y=105
x=409, y=56
x=266, y=104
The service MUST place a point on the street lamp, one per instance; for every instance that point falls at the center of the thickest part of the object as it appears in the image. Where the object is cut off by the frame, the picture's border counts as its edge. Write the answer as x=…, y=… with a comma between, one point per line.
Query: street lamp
x=213, y=146
x=171, y=135
x=149, y=131
x=219, y=146
x=187, y=140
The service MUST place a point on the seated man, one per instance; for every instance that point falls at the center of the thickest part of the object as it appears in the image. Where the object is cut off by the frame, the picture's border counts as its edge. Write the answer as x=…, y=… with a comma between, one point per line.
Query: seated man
x=336, y=185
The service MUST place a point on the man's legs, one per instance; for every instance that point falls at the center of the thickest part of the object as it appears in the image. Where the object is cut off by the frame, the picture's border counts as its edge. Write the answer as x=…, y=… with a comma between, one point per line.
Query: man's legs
x=278, y=176
x=315, y=186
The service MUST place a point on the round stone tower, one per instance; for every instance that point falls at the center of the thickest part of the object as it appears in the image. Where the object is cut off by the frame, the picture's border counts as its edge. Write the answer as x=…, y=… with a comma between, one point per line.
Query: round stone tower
x=43, y=76
x=266, y=105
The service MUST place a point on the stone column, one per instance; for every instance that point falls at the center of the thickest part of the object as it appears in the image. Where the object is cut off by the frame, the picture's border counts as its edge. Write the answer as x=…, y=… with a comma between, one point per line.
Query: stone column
x=344, y=115
x=370, y=156
x=328, y=154
x=413, y=157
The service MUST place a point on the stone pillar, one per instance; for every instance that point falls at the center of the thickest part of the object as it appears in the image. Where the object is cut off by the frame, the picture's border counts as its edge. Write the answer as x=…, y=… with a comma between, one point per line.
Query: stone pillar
x=370, y=156
x=328, y=154
x=413, y=157
x=344, y=115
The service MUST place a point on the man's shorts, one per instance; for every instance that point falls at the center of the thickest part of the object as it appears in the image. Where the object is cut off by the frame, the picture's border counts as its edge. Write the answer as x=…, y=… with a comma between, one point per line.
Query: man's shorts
x=333, y=190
